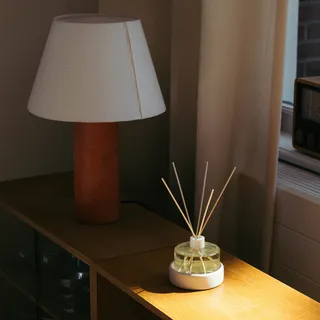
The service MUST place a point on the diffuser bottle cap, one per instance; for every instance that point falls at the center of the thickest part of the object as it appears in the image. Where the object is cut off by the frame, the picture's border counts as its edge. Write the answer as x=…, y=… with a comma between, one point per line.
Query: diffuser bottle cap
x=197, y=242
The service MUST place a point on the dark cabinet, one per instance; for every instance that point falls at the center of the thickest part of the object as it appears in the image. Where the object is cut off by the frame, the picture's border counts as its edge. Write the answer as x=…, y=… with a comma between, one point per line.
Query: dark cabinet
x=17, y=268
x=39, y=279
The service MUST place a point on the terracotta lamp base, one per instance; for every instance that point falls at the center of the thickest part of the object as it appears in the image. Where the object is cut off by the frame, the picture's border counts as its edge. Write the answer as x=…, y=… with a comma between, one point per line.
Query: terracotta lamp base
x=96, y=172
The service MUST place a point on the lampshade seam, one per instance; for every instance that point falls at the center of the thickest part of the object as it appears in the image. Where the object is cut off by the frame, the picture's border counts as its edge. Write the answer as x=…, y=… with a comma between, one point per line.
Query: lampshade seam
x=133, y=68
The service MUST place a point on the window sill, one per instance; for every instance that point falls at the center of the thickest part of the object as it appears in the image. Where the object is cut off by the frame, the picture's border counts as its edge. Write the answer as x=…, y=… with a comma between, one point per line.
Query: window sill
x=299, y=183
x=290, y=155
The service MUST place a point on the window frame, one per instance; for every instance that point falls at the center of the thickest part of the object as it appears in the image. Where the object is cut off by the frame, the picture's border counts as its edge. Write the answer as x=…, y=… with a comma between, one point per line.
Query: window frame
x=287, y=152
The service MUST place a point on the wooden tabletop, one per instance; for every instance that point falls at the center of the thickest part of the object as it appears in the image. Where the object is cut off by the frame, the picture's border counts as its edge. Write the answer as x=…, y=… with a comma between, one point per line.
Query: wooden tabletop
x=246, y=293
x=46, y=204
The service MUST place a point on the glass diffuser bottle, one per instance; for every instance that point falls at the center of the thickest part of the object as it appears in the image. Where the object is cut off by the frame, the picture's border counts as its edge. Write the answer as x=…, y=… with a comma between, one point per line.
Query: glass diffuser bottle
x=196, y=264
x=196, y=256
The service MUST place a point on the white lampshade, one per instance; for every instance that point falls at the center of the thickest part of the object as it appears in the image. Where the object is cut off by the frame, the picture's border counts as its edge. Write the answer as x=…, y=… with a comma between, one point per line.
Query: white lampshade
x=96, y=69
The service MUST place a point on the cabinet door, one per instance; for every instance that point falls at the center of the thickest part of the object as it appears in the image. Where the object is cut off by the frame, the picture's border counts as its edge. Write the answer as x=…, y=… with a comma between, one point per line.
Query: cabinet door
x=17, y=268
x=63, y=282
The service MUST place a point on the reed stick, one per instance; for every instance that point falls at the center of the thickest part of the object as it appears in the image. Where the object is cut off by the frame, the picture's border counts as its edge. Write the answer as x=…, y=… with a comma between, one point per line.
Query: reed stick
x=203, y=266
x=190, y=269
x=205, y=213
x=216, y=203
x=182, y=195
x=202, y=196
x=176, y=203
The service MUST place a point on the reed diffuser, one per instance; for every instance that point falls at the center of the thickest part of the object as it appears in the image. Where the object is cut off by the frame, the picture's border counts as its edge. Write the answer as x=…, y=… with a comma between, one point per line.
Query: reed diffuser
x=197, y=264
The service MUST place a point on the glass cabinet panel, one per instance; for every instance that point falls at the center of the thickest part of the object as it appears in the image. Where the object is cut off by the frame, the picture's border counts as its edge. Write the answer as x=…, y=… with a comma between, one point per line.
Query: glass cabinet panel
x=63, y=281
x=17, y=269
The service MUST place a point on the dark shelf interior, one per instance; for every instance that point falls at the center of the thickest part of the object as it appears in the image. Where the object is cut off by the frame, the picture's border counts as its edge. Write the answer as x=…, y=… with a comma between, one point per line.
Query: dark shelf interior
x=42, y=280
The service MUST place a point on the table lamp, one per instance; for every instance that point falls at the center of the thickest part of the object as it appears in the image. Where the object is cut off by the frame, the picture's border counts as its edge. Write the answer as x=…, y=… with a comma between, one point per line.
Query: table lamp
x=96, y=71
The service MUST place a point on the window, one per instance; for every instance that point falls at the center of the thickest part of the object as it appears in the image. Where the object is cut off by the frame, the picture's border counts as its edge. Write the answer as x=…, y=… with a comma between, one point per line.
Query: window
x=291, y=52
x=302, y=54
x=302, y=59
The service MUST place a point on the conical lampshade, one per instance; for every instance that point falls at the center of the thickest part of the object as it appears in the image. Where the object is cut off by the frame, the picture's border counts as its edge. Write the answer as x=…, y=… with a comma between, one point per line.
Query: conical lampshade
x=96, y=69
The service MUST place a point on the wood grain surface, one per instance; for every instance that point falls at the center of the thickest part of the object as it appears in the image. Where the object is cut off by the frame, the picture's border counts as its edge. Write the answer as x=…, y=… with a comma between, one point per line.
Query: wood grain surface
x=246, y=293
x=46, y=204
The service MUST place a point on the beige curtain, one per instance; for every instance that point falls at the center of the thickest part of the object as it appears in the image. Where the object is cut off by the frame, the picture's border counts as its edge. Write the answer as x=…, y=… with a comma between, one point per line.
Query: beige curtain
x=239, y=108
x=224, y=107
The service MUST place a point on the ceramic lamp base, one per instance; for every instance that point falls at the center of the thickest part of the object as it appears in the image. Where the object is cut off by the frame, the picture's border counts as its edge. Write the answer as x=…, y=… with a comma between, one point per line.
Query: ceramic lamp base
x=196, y=281
x=96, y=176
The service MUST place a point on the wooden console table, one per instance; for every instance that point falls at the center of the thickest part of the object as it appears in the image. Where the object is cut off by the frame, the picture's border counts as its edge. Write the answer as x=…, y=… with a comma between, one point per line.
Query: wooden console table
x=129, y=261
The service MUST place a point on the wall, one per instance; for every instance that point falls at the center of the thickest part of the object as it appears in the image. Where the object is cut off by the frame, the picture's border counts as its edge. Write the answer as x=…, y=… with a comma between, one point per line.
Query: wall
x=29, y=146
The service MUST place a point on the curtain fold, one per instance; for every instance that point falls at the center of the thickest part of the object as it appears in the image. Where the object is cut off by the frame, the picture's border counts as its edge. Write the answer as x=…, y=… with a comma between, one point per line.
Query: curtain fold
x=238, y=119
